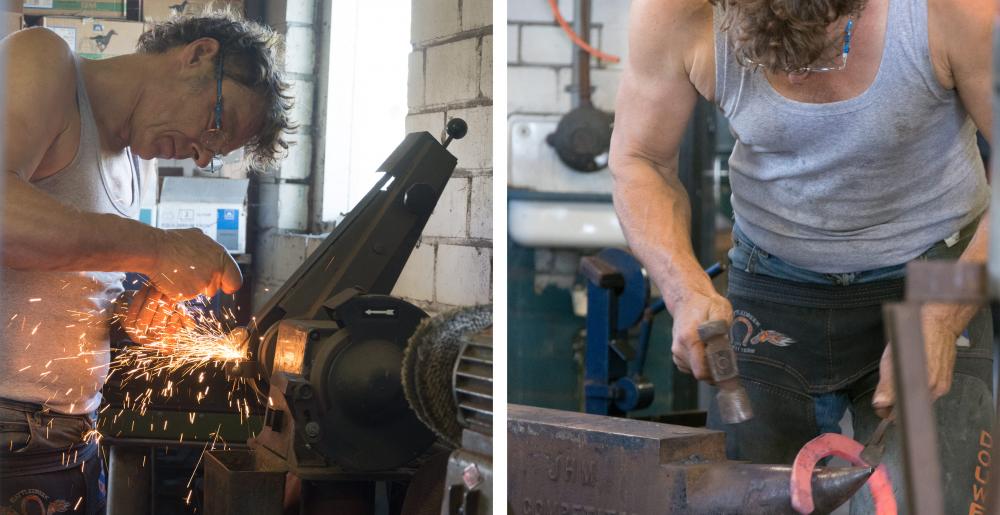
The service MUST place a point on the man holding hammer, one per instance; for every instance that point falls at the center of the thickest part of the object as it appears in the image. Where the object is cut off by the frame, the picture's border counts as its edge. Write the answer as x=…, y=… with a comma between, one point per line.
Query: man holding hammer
x=855, y=125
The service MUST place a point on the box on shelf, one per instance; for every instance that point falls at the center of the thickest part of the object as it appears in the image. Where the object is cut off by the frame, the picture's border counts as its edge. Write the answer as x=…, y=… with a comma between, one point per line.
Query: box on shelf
x=94, y=38
x=216, y=206
x=97, y=9
x=150, y=188
x=159, y=10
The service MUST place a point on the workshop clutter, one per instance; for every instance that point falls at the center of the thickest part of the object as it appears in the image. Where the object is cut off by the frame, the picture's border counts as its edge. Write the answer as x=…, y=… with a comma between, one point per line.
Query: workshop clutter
x=159, y=10
x=88, y=8
x=216, y=206
x=94, y=38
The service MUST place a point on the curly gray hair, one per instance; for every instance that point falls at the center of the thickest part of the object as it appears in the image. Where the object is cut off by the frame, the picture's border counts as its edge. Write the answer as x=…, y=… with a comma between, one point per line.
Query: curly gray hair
x=250, y=53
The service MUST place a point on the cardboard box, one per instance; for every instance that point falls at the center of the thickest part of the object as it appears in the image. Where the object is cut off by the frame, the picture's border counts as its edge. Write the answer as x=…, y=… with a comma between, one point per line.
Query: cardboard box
x=96, y=9
x=216, y=206
x=149, y=181
x=159, y=10
x=94, y=38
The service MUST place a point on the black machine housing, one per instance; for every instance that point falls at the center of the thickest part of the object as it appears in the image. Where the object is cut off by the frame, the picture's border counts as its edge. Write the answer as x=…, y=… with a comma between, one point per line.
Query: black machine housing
x=330, y=342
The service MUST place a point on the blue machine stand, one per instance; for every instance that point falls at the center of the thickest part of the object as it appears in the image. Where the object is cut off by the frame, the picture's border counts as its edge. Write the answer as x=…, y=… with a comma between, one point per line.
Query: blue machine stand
x=618, y=300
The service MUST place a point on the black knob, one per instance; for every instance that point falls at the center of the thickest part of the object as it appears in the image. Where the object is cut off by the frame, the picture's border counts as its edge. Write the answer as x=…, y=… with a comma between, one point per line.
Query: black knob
x=457, y=128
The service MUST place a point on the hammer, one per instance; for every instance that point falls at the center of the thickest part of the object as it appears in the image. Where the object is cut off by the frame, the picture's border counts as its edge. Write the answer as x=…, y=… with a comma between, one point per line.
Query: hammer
x=734, y=405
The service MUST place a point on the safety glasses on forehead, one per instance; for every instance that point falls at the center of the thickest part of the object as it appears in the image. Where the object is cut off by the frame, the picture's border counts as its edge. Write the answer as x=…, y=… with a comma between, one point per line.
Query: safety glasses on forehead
x=840, y=62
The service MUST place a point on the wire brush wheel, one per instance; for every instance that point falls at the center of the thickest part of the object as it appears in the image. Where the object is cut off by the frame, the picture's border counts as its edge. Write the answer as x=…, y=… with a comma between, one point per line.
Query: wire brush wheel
x=428, y=364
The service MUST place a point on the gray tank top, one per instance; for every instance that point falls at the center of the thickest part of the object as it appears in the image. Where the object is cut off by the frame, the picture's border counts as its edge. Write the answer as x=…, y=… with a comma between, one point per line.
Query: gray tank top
x=859, y=184
x=47, y=354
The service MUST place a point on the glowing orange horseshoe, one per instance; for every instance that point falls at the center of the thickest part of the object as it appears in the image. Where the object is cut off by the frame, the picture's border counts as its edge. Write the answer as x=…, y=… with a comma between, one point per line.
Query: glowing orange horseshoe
x=832, y=444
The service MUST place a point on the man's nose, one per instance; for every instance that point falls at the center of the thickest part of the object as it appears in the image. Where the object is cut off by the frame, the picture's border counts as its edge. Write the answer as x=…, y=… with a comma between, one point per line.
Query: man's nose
x=202, y=156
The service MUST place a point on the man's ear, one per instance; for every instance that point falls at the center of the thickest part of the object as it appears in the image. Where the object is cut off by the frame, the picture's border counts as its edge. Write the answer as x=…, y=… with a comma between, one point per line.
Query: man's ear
x=201, y=50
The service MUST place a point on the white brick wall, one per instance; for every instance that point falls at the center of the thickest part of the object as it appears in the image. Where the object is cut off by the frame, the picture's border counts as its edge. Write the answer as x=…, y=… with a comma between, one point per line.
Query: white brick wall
x=449, y=218
x=451, y=76
x=541, y=44
x=486, y=69
x=462, y=275
x=533, y=90
x=476, y=14
x=431, y=122
x=475, y=151
x=415, y=80
x=414, y=282
x=539, y=10
x=433, y=19
x=481, y=205
x=452, y=72
x=513, y=43
x=540, y=54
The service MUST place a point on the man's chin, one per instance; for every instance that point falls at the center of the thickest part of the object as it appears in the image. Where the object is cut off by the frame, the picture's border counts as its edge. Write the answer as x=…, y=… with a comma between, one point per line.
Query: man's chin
x=143, y=154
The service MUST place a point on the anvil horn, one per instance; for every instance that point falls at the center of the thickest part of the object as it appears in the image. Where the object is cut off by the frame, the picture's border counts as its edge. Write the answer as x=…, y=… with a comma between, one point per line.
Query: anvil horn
x=764, y=489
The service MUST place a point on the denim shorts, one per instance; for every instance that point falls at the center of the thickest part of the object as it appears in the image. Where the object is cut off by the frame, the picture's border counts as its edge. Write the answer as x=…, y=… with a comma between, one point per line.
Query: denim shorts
x=45, y=464
x=808, y=347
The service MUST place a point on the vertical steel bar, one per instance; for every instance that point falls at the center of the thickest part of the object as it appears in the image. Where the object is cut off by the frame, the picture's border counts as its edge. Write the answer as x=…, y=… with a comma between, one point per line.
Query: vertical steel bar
x=581, y=61
x=598, y=355
x=914, y=409
x=993, y=264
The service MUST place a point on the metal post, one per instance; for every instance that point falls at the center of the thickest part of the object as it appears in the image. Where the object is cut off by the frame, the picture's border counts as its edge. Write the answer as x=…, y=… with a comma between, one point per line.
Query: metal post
x=597, y=398
x=914, y=409
x=581, y=59
x=993, y=264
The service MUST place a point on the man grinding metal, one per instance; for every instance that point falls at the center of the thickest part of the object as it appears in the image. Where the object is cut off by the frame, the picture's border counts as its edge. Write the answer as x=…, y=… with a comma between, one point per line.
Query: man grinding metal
x=197, y=87
x=855, y=125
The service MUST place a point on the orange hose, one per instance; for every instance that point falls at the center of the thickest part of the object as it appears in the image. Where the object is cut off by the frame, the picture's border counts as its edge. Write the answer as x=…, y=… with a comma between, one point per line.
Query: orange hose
x=576, y=39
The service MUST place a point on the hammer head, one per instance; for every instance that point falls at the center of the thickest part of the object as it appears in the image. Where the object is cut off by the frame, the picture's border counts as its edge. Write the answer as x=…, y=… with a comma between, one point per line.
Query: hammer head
x=734, y=404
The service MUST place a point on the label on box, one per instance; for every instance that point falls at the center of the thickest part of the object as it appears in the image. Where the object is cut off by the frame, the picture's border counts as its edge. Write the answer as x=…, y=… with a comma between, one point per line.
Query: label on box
x=38, y=4
x=228, y=229
x=68, y=34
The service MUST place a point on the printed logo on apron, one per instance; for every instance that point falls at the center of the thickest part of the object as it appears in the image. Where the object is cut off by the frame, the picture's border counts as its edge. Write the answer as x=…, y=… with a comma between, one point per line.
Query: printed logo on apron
x=747, y=334
x=34, y=501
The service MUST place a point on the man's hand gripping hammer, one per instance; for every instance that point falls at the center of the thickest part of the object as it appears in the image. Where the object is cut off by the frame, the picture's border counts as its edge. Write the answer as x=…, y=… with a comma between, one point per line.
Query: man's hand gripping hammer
x=734, y=405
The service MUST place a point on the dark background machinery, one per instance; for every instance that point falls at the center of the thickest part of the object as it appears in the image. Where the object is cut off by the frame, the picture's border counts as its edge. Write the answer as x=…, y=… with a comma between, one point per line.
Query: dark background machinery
x=325, y=379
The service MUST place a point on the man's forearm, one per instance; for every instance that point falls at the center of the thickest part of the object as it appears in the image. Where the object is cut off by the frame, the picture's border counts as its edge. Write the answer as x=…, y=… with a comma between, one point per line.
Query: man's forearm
x=655, y=214
x=40, y=233
x=957, y=316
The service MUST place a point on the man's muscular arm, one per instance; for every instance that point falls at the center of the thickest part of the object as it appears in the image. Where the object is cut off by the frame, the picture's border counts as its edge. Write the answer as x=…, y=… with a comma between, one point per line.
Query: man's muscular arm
x=40, y=233
x=655, y=100
x=960, y=37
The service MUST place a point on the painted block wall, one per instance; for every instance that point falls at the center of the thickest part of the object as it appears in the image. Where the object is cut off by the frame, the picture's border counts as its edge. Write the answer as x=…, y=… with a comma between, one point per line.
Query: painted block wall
x=451, y=76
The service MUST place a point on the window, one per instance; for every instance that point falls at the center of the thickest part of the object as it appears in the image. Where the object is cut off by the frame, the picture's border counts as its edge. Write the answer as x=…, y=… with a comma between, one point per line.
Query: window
x=366, y=102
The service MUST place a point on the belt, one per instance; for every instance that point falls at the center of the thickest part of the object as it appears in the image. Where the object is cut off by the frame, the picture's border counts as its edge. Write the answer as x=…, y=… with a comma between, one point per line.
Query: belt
x=821, y=296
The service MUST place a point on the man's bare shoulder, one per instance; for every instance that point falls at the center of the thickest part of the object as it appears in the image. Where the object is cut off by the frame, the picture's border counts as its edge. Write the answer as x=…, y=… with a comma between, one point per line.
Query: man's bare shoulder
x=684, y=15
x=959, y=36
x=39, y=51
x=669, y=34
x=39, y=65
x=35, y=43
